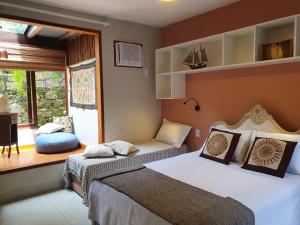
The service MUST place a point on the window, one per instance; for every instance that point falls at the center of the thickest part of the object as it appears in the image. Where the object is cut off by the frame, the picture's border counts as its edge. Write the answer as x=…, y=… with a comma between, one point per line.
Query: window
x=50, y=95
x=14, y=85
x=37, y=97
x=12, y=27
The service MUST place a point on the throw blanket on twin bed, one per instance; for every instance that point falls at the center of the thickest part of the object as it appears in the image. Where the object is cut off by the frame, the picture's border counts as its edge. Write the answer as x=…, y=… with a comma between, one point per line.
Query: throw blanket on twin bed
x=177, y=202
x=85, y=170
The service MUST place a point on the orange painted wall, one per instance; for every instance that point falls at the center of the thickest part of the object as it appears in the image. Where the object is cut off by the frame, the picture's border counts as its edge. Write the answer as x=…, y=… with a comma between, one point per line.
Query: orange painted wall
x=227, y=95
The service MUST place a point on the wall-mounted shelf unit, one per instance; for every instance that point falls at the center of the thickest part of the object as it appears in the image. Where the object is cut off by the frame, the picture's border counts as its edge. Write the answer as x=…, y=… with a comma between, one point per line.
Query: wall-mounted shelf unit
x=239, y=46
x=234, y=49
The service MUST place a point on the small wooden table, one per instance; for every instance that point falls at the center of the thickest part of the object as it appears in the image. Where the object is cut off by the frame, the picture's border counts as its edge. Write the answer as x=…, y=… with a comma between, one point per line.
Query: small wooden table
x=9, y=131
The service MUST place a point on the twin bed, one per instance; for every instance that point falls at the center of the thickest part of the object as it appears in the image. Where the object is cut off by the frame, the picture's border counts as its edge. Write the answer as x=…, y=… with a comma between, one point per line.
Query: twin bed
x=79, y=171
x=194, y=190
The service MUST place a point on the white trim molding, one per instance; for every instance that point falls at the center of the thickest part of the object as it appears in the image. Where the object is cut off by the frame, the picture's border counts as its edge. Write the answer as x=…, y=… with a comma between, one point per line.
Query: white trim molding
x=54, y=11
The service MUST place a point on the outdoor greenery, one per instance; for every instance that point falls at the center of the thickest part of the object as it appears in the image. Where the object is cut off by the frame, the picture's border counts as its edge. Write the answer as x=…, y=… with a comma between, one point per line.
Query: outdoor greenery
x=50, y=94
x=51, y=100
x=13, y=84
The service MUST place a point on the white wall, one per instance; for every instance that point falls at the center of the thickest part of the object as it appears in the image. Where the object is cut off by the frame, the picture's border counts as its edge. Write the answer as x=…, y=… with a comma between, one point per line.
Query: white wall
x=30, y=182
x=131, y=111
x=85, y=125
x=84, y=120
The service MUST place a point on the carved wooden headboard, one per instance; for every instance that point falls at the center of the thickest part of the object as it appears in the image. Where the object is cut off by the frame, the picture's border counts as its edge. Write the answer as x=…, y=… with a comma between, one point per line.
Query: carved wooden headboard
x=256, y=119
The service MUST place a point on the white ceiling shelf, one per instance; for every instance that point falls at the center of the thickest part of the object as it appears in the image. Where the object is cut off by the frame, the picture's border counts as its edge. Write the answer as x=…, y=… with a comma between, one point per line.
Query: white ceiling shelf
x=230, y=50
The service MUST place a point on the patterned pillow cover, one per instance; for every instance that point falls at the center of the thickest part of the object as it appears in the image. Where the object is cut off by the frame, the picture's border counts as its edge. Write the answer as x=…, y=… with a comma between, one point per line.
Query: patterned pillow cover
x=270, y=156
x=66, y=122
x=220, y=145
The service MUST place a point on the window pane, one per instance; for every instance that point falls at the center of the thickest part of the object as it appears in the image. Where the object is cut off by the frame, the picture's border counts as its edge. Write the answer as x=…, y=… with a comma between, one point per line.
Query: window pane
x=13, y=84
x=13, y=27
x=50, y=95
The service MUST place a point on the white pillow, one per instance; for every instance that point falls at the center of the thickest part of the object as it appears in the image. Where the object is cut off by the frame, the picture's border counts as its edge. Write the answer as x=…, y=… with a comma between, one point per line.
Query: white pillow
x=294, y=166
x=101, y=150
x=173, y=133
x=121, y=147
x=243, y=145
x=49, y=128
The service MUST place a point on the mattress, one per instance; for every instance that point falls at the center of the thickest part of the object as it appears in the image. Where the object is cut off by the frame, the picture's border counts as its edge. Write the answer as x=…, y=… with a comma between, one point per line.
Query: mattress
x=274, y=201
x=85, y=170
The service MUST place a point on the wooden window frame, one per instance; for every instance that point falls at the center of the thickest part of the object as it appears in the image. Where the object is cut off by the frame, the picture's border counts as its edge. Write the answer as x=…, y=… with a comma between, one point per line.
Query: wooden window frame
x=29, y=97
x=33, y=97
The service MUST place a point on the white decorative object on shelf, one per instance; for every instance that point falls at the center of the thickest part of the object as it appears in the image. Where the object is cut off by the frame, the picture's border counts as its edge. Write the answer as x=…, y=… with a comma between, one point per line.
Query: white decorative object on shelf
x=234, y=49
x=4, y=104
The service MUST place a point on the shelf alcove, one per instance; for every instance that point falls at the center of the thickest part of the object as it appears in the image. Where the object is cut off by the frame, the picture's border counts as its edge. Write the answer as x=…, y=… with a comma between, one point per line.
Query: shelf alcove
x=234, y=49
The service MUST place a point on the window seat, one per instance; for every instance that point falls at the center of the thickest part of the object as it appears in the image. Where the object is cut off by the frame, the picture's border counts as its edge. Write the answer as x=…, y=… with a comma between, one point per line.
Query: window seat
x=29, y=159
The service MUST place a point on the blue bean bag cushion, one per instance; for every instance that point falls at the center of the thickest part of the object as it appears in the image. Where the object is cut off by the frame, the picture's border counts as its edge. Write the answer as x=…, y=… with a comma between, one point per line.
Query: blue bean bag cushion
x=56, y=142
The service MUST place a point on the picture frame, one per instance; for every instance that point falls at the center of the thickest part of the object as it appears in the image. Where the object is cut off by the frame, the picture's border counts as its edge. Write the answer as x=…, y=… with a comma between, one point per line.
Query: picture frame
x=128, y=54
x=277, y=50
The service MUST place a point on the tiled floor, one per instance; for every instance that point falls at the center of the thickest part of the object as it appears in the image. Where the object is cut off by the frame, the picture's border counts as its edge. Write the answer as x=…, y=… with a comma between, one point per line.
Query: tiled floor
x=57, y=208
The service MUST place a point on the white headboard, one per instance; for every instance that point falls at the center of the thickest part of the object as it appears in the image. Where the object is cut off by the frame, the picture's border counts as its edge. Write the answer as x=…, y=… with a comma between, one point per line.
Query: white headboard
x=256, y=119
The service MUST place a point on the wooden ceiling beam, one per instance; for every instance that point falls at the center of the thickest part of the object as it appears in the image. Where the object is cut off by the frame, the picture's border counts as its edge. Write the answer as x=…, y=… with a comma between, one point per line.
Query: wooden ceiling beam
x=68, y=35
x=75, y=36
x=33, y=31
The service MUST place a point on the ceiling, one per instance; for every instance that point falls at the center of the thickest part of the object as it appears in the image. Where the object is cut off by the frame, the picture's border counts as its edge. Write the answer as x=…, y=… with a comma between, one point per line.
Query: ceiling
x=150, y=12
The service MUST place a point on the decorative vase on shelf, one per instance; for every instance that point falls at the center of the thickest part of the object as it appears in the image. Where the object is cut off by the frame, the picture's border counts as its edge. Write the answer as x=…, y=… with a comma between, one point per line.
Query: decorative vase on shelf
x=4, y=104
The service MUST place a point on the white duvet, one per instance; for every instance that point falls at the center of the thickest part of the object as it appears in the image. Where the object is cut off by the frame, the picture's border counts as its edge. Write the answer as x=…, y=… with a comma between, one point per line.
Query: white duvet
x=274, y=201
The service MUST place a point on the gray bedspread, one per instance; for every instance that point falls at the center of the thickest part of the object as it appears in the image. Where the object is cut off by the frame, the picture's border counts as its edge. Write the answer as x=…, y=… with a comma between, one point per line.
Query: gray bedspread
x=85, y=170
x=145, y=197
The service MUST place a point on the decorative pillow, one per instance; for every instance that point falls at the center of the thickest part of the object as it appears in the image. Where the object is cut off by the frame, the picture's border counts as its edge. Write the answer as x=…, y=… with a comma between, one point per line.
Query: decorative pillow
x=66, y=122
x=49, y=128
x=294, y=165
x=270, y=156
x=243, y=145
x=220, y=145
x=101, y=150
x=173, y=133
x=121, y=147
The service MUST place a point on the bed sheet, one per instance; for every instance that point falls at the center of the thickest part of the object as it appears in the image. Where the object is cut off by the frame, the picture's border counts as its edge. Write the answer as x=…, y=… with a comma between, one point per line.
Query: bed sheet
x=274, y=201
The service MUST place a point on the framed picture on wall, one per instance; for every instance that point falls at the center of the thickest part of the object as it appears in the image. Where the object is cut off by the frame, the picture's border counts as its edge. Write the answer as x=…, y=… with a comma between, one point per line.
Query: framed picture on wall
x=128, y=54
x=277, y=50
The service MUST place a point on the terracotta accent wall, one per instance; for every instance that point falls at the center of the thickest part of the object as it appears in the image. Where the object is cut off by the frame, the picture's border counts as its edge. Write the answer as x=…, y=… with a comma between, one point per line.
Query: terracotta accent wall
x=227, y=95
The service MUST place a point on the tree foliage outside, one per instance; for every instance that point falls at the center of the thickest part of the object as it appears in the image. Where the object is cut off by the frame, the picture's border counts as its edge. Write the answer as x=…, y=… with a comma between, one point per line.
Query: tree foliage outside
x=50, y=93
x=19, y=78
x=51, y=100
x=13, y=84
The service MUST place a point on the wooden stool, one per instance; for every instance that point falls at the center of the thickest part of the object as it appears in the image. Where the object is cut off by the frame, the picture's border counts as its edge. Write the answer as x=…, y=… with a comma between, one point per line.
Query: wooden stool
x=9, y=150
x=9, y=131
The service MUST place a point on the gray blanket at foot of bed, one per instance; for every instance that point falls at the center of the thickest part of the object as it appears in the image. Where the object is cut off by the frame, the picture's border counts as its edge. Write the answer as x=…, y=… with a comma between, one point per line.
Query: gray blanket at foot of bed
x=171, y=201
x=86, y=169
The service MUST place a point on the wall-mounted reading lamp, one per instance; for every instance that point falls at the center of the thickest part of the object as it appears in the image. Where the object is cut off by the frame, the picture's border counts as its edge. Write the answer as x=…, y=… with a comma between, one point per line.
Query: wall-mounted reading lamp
x=197, y=107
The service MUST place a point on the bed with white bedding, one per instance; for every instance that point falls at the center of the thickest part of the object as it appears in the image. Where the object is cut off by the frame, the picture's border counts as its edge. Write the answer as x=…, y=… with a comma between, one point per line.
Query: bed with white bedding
x=273, y=200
